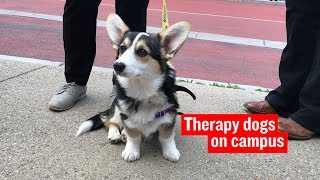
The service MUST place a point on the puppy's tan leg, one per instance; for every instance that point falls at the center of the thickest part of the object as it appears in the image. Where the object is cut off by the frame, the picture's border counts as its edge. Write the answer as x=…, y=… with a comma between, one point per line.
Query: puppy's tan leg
x=115, y=125
x=132, y=149
x=166, y=138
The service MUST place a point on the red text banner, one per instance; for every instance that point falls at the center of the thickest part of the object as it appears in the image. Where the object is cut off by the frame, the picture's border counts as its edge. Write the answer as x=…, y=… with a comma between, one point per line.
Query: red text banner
x=237, y=133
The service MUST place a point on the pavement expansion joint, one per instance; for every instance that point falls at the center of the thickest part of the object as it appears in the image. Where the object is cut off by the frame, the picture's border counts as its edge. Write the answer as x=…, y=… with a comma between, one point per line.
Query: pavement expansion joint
x=21, y=74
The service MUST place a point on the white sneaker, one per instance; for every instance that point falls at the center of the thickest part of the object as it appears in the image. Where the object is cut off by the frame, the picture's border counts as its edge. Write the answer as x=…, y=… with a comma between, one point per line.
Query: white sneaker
x=66, y=97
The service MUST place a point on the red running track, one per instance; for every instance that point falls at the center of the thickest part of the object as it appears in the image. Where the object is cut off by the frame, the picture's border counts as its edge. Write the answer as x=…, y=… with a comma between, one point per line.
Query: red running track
x=212, y=16
x=36, y=38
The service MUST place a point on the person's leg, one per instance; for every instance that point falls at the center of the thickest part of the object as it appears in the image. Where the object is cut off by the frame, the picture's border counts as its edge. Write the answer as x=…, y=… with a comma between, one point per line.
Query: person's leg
x=296, y=60
x=133, y=13
x=308, y=114
x=79, y=36
x=305, y=122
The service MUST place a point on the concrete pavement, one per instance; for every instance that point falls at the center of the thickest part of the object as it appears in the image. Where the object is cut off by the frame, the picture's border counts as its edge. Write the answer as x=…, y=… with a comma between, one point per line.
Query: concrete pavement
x=36, y=143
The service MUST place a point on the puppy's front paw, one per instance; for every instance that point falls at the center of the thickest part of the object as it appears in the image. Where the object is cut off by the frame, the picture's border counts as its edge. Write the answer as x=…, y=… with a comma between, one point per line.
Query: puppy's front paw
x=172, y=154
x=130, y=155
x=114, y=135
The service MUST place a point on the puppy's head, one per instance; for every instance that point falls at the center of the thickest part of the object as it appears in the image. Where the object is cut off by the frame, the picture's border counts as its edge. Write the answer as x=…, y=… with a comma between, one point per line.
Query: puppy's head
x=141, y=54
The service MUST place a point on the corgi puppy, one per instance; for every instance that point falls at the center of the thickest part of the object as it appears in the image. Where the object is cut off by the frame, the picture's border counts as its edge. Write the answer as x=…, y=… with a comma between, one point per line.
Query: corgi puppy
x=145, y=88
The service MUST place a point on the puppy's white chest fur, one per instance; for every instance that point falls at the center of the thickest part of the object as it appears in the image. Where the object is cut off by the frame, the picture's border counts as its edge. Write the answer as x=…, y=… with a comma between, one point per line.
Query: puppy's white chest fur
x=141, y=88
x=144, y=118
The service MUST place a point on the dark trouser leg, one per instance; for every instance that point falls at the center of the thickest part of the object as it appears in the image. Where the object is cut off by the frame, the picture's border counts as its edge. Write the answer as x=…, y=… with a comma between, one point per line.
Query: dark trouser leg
x=133, y=13
x=308, y=114
x=296, y=60
x=79, y=36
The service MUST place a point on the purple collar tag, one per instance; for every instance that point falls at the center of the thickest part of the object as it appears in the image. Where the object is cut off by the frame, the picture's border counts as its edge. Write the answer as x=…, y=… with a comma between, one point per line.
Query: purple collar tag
x=162, y=113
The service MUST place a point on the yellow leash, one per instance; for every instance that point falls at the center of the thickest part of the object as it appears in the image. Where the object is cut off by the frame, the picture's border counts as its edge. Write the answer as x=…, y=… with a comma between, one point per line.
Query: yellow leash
x=165, y=19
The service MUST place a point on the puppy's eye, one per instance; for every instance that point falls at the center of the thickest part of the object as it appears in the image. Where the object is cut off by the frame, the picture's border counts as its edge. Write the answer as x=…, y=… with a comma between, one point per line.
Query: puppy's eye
x=122, y=49
x=142, y=52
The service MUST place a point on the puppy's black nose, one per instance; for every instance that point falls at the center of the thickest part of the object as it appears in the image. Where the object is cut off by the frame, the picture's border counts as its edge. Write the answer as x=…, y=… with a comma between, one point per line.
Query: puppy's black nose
x=119, y=67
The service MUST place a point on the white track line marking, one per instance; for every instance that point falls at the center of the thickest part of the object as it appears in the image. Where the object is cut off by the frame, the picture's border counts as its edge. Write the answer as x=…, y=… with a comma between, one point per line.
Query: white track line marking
x=110, y=70
x=205, y=14
x=193, y=34
x=223, y=16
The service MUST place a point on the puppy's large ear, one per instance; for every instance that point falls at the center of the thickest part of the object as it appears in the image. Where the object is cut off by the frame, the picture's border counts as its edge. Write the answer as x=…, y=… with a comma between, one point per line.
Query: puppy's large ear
x=116, y=29
x=173, y=38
